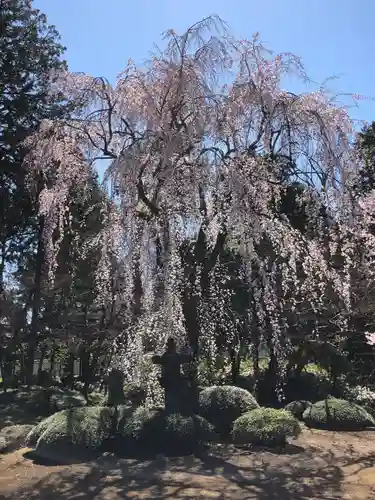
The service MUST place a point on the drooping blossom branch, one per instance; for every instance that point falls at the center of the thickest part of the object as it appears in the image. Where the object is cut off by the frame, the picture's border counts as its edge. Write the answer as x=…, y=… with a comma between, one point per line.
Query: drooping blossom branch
x=194, y=157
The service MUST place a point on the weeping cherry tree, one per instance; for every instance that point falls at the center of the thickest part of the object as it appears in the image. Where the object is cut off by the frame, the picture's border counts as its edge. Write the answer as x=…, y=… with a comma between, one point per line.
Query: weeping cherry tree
x=202, y=141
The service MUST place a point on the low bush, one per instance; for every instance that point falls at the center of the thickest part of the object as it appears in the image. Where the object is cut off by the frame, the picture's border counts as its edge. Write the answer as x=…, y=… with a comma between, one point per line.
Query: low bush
x=296, y=408
x=37, y=431
x=122, y=430
x=337, y=414
x=131, y=425
x=155, y=431
x=73, y=431
x=222, y=405
x=265, y=426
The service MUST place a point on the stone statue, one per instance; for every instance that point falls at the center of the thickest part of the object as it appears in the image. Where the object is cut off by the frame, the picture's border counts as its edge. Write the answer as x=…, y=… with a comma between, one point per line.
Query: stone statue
x=175, y=385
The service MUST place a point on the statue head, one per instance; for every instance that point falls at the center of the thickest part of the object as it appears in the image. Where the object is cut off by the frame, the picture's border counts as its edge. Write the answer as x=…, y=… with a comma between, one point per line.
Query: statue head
x=171, y=345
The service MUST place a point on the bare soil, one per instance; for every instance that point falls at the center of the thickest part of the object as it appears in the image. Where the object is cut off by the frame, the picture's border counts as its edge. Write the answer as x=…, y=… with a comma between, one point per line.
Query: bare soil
x=320, y=464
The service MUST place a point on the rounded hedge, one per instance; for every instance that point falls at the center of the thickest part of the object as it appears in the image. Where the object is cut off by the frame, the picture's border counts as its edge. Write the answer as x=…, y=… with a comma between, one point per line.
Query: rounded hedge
x=37, y=431
x=297, y=408
x=122, y=430
x=72, y=430
x=265, y=426
x=148, y=430
x=222, y=405
x=337, y=414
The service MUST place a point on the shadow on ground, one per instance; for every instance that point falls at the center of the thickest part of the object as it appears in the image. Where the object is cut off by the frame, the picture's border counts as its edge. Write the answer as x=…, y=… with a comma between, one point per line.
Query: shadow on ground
x=63, y=458
x=220, y=475
x=17, y=409
x=320, y=464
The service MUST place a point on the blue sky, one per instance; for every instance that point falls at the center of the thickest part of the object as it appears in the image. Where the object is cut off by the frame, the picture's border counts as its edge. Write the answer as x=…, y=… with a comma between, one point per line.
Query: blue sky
x=333, y=37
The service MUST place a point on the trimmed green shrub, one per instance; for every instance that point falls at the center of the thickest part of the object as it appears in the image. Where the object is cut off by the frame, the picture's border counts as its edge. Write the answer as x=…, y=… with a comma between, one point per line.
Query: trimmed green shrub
x=337, y=414
x=148, y=430
x=222, y=405
x=297, y=408
x=73, y=430
x=119, y=429
x=130, y=426
x=37, y=431
x=265, y=426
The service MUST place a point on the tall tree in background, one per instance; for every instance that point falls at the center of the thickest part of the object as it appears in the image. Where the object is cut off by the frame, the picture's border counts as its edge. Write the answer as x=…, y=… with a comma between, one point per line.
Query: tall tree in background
x=70, y=320
x=29, y=50
x=360, y=351
x=366, y=154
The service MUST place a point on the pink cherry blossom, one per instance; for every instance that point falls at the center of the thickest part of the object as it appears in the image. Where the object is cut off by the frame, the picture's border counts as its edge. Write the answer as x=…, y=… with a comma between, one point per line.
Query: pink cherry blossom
x=370, y=338
x=197, y=139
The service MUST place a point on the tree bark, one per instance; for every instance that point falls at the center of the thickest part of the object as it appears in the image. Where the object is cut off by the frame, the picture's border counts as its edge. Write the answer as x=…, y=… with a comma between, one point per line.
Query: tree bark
x=52, y=362
x=235, y=361
x=68, y=371
x=32, y=338
x=43, y=353
x=200, y=256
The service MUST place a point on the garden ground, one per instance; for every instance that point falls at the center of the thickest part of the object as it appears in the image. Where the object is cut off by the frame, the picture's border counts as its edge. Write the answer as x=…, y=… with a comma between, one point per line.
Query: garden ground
x=319, y=464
